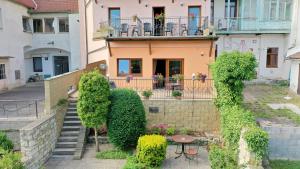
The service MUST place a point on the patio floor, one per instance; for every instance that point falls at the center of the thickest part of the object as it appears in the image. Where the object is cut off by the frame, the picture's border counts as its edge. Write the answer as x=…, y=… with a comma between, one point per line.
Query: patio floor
x=90, y=162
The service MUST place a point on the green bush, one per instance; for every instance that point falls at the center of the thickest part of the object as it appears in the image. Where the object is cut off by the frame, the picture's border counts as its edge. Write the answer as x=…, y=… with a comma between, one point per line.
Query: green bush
x=229, y=72
x=257, y=141
x=151, y=150
x=132, y=163
x=93, y=102
x=10, y=160
x=176, y=93
x=171, y=131
x=126, y=120
x=147, y=93
x=5, y=143
x=222, y=158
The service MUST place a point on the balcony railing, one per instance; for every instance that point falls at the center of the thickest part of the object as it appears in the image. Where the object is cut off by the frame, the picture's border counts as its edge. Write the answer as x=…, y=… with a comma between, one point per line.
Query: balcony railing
x=163, y=88
x=251, y=25
x=150, y=27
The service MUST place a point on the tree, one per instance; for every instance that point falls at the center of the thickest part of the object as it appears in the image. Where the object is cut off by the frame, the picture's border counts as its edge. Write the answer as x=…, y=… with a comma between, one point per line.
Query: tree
x=93, y=102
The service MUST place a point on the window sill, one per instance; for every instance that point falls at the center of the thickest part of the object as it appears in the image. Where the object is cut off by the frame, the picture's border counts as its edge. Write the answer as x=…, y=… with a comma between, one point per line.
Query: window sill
x=272, y=67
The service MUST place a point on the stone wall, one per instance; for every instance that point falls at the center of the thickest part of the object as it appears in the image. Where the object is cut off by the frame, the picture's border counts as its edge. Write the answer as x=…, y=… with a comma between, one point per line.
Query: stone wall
x=197, y=115
x=284, y=142
x=38, y=141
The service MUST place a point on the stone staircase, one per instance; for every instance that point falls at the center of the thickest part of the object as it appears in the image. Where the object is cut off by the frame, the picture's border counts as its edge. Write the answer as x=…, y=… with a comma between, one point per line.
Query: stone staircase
x=67, y=142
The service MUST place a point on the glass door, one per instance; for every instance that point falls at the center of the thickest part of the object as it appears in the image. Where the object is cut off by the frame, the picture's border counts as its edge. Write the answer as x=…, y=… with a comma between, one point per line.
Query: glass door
x=194, y=20
x=115, y=18
x=174, y=68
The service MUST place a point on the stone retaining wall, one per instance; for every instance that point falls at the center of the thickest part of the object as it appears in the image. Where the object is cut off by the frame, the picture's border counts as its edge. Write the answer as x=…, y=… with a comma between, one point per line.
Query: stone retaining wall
x=38, y=141
x=197, y=115
x=284, y=142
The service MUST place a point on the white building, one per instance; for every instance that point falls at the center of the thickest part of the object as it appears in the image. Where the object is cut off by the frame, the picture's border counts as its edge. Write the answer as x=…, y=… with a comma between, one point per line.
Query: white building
x=262, y=27
x=294, y=49
x=37, y=37
x=12, y=42
x=55, y=45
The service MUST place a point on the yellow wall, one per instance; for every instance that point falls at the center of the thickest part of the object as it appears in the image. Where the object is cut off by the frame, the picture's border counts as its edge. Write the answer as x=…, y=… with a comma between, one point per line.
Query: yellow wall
x=194, y=53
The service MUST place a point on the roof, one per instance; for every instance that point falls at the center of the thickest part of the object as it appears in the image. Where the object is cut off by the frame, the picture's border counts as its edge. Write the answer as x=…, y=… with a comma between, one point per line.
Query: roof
x=296, y=56
x=26, y=3
x=6, y=57
x=56, y=6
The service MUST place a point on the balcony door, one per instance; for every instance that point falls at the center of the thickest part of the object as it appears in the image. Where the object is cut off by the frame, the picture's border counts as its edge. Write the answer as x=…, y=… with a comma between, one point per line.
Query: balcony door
x=167, y=67
x=114, y=17
x=194, y=15
x=158, y=21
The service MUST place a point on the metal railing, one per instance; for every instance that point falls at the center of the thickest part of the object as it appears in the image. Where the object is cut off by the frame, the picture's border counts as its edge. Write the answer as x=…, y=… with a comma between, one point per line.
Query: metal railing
x=21, y=108
x=166, y=26
x=163, y=89
x=250, y=24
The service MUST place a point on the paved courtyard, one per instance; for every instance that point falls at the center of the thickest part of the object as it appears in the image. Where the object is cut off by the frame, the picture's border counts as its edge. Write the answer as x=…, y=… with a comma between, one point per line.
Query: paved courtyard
x=90, y=162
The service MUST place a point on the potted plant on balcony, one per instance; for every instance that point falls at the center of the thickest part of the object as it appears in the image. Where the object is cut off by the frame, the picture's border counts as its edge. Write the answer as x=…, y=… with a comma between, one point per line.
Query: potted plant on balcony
x=134, y=18
x=177, y=94
x=128, y=78
x=147, y=94
x=201, y=77
x=178, y=78
x=160, y=17
x=104, y=30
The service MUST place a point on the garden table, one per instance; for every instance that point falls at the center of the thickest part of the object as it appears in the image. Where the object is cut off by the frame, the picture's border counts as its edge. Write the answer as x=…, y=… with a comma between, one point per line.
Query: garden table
x=183, y=139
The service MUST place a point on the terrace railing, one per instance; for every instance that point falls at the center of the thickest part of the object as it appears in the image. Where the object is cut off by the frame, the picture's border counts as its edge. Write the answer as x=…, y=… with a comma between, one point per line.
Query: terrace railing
x=238, y=25
x=163, y=88
x=145, y=27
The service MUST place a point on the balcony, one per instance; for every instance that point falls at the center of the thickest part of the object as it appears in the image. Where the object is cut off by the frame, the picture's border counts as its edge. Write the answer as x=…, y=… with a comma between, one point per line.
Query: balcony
x=250, y=25
x=136, y=27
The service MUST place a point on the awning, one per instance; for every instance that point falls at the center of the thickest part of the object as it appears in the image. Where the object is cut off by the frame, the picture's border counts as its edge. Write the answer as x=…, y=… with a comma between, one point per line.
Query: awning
x=6, y=57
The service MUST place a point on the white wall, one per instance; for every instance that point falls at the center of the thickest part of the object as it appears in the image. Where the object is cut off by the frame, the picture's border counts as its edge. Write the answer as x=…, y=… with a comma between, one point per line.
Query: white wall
x=13, y=40
x=294, y=75
x=259, y=45
x=74, y=41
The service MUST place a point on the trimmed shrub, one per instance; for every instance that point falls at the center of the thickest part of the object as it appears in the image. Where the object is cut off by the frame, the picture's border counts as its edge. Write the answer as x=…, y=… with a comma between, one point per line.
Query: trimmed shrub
x=10, y=160
x=93, y=102
x=126, y=120
x=5, y=143
x=132, y=163
x=151, y=150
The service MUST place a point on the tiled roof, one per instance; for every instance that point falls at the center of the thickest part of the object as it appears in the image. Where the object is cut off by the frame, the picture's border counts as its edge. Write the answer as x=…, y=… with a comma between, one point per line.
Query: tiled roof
x=26, y=3
x=45, y=6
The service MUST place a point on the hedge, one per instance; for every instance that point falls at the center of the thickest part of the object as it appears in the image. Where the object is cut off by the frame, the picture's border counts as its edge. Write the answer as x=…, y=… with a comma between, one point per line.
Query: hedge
x=230, y=71
x=5, y=143
x=10, y=160
x=151, y=150
x=126, y=119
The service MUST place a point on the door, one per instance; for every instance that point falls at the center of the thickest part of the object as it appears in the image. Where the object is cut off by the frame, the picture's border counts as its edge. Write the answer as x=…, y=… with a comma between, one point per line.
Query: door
x=194, y=20
x=61, y=65
x=158, y=21
x=298, y=91
x=3, y=79
x=115, y=18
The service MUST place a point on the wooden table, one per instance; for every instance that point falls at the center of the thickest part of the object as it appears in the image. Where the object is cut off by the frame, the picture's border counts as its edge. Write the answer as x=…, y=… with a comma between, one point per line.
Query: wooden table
x=183, y=139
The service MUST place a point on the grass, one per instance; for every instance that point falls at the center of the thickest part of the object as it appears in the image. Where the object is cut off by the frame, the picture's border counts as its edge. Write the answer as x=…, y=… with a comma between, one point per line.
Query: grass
x=258, y=96
x=113, y=154
x=284, y=164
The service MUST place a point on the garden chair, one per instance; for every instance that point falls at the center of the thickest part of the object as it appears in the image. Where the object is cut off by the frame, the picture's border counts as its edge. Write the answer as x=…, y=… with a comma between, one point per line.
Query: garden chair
x=183, y=29
x=147, y=28
x=192, y=150
x=124, y=29
x=169, y=28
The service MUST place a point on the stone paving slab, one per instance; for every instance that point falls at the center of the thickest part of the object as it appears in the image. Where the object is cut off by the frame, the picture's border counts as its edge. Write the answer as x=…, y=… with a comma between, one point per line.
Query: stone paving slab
x=90, y=162
x=292, y=107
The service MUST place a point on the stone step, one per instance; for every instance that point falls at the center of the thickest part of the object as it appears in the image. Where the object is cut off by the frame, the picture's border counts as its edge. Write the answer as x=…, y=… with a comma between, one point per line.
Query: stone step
x=72, y=108
x=66, y=157
x=72, y=105
x=67, y=139
x=72, y=118
x=72, y=100
x=66, y=144
x=64, y=151
x=71, y=113
x=70, y=128
x=69, y=133
x=72, y=123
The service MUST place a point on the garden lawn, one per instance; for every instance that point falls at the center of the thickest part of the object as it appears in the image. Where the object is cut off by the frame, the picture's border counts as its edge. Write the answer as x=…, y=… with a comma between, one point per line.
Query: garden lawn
x=257, y=98
x=113, y=154
x=284, y=164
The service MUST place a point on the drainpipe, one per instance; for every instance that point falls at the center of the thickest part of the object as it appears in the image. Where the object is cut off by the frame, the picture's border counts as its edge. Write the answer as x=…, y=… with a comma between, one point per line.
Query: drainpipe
x=85, y=28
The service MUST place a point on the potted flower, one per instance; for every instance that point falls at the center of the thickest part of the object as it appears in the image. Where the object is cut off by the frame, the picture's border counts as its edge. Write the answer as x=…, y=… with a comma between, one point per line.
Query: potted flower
x=177, y=94
x=178, y=78
x=147, y=94
x=134, y=18
x=128, y=78
x=160, y=17
x=203, y=77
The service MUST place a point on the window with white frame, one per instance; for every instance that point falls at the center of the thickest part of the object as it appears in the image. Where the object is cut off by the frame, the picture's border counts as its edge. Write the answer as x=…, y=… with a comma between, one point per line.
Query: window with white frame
x=1, y=19
x=277, y=9
x=49, y=27
x=63, y=24
x=37, y=25
x=2, y=71
x=26, y=24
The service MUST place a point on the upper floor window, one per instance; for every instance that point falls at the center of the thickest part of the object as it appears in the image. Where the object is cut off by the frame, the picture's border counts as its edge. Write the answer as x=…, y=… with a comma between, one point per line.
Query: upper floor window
x=49, y=27
x=249, y=9
x=26, y=24
x=63, y=25
x=129, y=67
x=1, y=22
x=2, y=71
x=232, y=8
x=272, y=58
x=37, y=25
x=277, y=10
